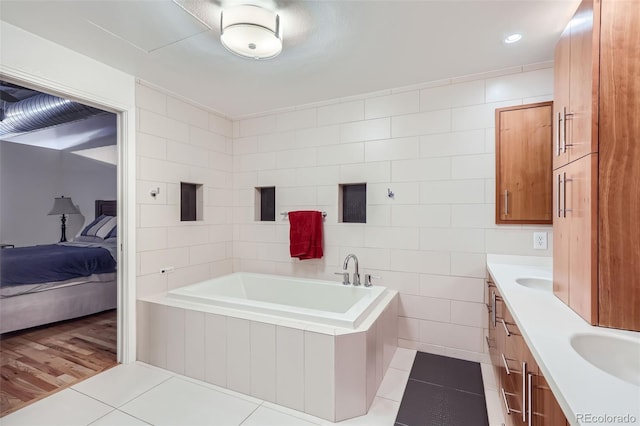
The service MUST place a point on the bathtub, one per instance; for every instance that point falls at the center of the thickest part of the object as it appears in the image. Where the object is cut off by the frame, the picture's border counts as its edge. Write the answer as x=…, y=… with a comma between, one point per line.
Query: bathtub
x=324, y=302
x=315, y=346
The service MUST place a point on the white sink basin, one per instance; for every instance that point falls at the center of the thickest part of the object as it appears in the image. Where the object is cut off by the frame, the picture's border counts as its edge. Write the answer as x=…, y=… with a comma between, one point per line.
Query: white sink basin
x=616, y=356
x=536, y=283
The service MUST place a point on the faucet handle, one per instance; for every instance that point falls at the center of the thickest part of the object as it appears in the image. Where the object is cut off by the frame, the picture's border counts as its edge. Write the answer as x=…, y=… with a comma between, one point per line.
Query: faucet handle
x=345, y=277
x=356, y=279
x=368, y=278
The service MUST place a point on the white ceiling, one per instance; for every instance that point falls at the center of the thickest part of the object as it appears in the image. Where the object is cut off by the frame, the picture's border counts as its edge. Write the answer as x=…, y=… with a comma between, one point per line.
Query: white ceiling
x=332, y=49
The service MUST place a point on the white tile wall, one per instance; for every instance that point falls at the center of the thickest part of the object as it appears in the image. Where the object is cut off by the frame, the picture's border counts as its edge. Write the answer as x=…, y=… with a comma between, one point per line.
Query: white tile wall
x=433, y=146
x=388, y=106
x=177, y=141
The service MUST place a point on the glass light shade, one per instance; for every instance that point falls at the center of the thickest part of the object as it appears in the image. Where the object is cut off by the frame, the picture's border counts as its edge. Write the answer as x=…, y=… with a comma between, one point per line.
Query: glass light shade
x=251, y=32
x=63, y=206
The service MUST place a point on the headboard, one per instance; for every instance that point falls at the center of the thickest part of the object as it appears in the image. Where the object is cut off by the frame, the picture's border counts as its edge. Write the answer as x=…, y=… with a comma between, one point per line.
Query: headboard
x=106, y=207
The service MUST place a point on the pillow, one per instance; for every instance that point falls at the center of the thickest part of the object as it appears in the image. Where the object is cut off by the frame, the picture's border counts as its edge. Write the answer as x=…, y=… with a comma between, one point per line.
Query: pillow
x=113, y=233
x=100, y=227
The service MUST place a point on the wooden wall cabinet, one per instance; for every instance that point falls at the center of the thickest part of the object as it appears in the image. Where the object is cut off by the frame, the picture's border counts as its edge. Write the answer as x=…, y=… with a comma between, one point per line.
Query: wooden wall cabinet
x=523, y=164
x=526, y=396
x=596, y=195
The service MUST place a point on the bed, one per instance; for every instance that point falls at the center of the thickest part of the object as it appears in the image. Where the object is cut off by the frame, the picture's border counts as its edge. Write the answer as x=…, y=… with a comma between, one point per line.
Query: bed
x=49, y=283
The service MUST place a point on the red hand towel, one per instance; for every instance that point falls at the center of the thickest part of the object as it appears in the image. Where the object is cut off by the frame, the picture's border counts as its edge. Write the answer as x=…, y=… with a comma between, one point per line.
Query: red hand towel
x=305, y=235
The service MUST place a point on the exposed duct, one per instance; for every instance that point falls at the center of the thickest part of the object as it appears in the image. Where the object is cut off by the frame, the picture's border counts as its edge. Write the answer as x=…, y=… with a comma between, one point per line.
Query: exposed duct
x=41, y=111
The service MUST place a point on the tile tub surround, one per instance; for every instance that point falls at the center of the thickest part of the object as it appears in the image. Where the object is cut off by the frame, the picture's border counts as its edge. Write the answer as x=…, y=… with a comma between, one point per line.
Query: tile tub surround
x=547, y=326
x=324, y=371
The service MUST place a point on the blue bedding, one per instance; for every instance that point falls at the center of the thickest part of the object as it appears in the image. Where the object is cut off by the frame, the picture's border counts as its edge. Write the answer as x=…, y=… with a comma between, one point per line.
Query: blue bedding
x=50, y=263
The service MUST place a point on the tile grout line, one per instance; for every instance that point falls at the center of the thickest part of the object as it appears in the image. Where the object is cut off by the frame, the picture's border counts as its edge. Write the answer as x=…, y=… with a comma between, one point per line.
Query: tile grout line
x=251, y=413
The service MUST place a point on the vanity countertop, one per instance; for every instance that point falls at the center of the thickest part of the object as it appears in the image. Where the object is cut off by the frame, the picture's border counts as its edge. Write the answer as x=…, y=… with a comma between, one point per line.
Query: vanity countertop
x=586, y=394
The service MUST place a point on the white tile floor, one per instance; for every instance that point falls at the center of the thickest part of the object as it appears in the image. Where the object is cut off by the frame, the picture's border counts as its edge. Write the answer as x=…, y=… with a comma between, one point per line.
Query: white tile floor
x=139, y=394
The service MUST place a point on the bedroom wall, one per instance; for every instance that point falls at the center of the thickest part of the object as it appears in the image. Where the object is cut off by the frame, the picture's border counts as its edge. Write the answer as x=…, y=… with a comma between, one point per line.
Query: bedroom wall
x=433, y=146
x=178, y=141
x=31, y=177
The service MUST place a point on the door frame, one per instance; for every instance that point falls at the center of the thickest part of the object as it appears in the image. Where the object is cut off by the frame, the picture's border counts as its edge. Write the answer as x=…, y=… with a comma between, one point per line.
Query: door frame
x=126, y=178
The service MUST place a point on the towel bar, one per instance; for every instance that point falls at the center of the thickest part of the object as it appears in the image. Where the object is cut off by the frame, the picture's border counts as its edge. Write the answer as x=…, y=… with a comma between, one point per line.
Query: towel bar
x=324, y=214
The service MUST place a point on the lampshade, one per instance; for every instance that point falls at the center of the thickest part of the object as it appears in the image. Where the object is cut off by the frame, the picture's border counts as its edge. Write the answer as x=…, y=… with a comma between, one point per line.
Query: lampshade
x=63, y=206
x=251, y=32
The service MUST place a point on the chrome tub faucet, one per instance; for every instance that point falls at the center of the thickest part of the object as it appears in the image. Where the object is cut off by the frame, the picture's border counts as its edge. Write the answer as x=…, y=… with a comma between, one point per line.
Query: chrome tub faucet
x=356, y=274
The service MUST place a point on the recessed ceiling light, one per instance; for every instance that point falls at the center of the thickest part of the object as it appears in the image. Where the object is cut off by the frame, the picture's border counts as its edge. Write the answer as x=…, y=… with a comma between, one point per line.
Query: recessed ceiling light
x=513, y=38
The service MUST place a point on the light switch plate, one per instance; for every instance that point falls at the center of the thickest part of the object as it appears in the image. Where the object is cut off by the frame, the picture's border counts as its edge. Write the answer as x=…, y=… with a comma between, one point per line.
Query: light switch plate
x=540, y=240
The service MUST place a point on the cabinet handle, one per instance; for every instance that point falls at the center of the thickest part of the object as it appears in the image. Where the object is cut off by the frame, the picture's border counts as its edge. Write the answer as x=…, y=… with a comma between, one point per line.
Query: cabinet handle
x=524, y=385
x=559, y=194
x=506, y=329
x=567, y=117
x=530, y=400
x=560, y=120
x=564, y=194
x=493, y=305
x=506, y=202
x=506, y=403
x=506, y=366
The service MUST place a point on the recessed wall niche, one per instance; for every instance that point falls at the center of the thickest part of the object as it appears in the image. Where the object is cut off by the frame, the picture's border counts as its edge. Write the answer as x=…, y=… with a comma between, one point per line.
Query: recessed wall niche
x=191, y=202
x=265, y=202
x=353, y=203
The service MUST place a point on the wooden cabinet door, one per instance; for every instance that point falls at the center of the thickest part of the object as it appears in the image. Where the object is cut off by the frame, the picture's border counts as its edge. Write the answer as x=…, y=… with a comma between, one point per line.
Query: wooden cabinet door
x=523, y=164
x=619, y=167
x=583, y=87
x=560, y=239
x=542, y=407
x=561, y=76
x=580, y=208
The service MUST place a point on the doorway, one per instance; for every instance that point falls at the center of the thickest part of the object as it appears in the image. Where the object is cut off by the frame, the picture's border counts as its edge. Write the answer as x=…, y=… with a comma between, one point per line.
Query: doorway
x=105, y=335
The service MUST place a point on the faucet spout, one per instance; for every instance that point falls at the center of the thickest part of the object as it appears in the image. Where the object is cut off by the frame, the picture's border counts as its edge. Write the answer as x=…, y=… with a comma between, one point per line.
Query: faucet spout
x=356, y=274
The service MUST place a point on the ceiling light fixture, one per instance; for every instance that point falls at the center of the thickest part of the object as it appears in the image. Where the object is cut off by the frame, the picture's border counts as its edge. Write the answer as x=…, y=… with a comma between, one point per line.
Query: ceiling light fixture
x=251, y=32
x=513, y=38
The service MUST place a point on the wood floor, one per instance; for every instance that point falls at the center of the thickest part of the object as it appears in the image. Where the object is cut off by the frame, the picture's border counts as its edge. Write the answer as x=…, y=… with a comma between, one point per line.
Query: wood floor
x=37, y=362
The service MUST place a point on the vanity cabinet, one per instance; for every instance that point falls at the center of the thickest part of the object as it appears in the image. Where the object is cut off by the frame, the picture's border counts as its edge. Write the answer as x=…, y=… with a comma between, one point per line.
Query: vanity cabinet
x=525, y=393
x=596, y=196
x=523, y=164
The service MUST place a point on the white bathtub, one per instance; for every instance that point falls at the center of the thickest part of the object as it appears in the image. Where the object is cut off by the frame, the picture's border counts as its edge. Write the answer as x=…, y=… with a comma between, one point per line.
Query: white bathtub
x=318, y=347
x=325, y=302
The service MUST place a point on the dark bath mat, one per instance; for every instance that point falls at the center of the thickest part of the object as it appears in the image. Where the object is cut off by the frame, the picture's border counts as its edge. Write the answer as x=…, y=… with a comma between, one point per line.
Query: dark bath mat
x=435, y=394
x=450, y=372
